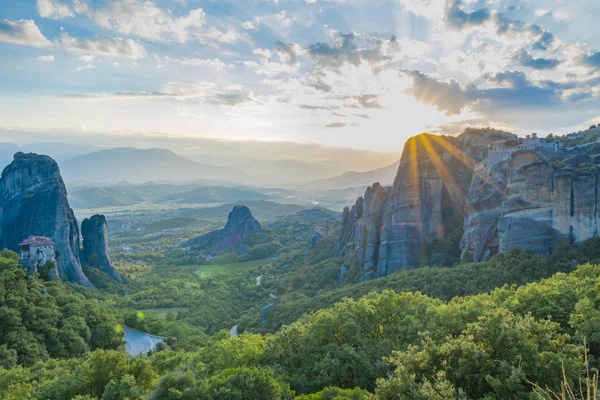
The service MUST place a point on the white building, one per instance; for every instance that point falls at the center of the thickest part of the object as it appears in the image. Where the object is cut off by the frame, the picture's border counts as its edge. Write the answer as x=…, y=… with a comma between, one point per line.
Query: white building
x=37, y=250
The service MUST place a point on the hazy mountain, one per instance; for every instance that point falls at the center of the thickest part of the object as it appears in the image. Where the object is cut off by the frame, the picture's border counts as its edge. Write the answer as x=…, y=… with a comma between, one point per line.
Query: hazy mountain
x=268, y=163
x=354, y=179
x=127, y=195
x=213, y=194
x=142, y=165
x=260, y=209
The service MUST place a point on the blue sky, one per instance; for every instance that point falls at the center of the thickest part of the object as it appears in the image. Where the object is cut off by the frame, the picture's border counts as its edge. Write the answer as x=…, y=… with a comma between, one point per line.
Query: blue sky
x=359, y=73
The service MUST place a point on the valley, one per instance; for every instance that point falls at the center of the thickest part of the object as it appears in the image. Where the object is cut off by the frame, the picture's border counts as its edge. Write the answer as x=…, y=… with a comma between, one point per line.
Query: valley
x=252, y=282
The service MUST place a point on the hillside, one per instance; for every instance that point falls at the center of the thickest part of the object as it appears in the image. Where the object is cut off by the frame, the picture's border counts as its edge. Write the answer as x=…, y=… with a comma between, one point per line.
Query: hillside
x=127, y=195
x=142, y=165
x=354, y=179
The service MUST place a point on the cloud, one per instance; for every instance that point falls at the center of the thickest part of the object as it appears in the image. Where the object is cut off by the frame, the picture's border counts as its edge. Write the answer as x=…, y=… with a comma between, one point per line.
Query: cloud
x=346, y=51
x=369, y=101
x=209, y=62
x=84, y=67
x=336, y=125
x=590, y=59
x=24, y=32
x=146, y=20
x=449, y=96
x=318, y=84
x=202, y=92
x=311, y=107
x=87, y=58
x=457, y=18
x=507, y=91
x=234, y=97
x=53, y=9
x=229, y=36
x=525, y=59
x=287, y=52
x=365, y=116
x=49, y=58
x=276, y=22
x=105, y=46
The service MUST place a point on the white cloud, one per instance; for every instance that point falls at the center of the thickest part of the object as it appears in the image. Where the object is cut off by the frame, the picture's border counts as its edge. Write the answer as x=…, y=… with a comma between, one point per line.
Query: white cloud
x=87, y=58
x=208, y=62
x=105, y=46
x=263, y=53
x=275, y=22
x=53, y=9
x=426, y=8
x=84, y=67
x=228, y=37
x=270, y=69
x=49, y=58
x=249, y=25
x=24, y=32
x=148, y=21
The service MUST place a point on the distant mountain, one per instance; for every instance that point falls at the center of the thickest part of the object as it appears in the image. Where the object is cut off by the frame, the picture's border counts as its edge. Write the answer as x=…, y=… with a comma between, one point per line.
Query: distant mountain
x=213, y=194
x=142, y=165
x=127, y=195
x=354, y=179
x=260, y=209
x=105, y=197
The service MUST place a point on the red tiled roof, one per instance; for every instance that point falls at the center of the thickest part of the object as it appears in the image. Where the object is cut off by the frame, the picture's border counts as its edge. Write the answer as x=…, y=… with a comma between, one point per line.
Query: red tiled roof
x=37, y=241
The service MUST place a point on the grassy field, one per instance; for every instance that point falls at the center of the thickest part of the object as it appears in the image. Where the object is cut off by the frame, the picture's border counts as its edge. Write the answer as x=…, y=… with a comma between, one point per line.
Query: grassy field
x=207, y=270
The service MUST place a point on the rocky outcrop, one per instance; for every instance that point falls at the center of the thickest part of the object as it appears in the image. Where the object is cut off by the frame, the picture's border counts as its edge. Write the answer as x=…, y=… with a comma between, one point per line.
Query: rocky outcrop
x=33, y=201
x=540, y=206
x=319, y=233
x=483, y=208
x=94, y=232
x=442, y=187
x=240, y=224
x=428, y=193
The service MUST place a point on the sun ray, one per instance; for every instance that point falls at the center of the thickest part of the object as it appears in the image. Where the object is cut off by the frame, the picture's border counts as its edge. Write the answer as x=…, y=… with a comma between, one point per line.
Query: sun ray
x=456, y=194
x=466, y=160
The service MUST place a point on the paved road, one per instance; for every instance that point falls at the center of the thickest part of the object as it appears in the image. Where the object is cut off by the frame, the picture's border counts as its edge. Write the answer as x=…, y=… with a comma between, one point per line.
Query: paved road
x=138, y=342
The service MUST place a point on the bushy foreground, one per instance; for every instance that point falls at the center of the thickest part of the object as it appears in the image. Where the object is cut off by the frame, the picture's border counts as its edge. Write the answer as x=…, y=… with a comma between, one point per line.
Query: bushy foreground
x=384, y=345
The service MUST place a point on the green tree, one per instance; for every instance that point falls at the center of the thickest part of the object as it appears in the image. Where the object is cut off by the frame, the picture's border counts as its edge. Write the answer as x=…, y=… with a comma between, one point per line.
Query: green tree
x=246, y=384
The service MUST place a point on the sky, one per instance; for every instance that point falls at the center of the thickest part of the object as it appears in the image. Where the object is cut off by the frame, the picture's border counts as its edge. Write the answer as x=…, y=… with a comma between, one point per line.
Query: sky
x=352, y=73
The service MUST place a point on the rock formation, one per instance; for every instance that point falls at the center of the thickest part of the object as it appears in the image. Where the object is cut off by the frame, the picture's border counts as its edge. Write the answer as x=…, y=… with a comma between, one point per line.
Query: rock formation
x=484, y=182
x=33, y=201
x=531, y=208
x=319, y=233
x=240, y=223
x=95, y=246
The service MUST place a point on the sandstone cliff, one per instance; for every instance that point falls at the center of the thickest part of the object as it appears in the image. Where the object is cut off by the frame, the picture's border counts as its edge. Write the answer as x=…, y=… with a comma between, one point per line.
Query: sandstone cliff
x=240, y=224
x=498, y=192
x=94, y=232
x=531, y=208
x=33, y=201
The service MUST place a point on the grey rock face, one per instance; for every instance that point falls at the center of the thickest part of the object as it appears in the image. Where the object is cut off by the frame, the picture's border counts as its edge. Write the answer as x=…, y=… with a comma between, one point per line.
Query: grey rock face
x=532, y=208
x=240, y=223
x=428, y=192
x=513, y=199
x=483, y=208
x=94, y=232
x=33, y=201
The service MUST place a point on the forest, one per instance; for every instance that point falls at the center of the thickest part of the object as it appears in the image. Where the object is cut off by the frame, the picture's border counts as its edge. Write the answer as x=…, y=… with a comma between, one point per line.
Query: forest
x=510, y=328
